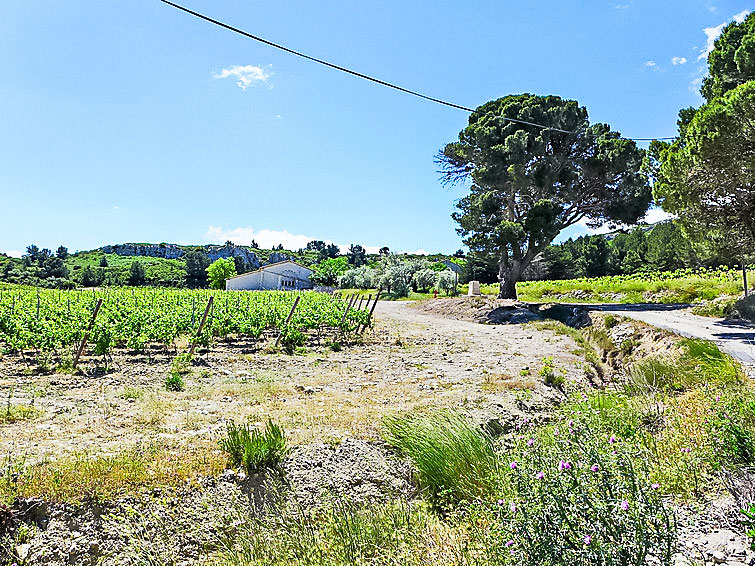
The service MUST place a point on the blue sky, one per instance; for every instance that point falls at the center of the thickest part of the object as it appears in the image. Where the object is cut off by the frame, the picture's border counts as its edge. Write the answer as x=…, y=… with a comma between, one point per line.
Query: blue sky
x=128, y=121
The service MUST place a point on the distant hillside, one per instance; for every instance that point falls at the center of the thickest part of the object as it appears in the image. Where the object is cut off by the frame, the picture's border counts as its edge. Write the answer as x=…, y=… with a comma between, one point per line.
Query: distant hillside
x=159, y=265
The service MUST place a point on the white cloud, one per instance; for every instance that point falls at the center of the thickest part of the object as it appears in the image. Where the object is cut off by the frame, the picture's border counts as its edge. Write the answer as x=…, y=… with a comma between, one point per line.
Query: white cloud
x=247, y=75
x=678, y=61
x=650, y=63
x=621, y=6
x=652, y=216
x=712, y=33
x=742, y=16
x=14, y=253
x=269, y=238
x=657, y=215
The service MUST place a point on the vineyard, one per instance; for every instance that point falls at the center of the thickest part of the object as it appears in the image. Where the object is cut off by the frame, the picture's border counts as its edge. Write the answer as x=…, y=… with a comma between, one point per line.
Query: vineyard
x=680, y=286
x=50, y=321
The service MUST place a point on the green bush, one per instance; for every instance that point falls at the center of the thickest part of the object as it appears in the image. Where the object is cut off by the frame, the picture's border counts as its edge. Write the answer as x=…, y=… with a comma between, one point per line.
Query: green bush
x=174, y=382
x=549, y=375
x=454, y=458
x=254, y=450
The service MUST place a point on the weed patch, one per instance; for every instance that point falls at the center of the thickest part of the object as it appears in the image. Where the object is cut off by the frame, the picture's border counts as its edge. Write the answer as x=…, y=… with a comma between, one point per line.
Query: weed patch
x=253, y=449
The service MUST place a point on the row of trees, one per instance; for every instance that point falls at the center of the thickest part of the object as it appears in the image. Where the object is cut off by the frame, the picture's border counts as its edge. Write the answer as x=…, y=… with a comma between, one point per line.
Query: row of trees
x=391, y=273
x=530, y=182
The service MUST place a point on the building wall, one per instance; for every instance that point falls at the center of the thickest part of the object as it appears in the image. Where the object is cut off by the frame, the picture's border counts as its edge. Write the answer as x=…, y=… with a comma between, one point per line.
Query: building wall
x=285, y=276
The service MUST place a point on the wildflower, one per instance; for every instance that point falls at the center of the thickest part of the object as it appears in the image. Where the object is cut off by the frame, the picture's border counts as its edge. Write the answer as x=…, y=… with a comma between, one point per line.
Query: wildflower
x=571, y=424
x=686, y=450
x=512, y=465
x=656, y=485
x=564, y=465
x=555, y=432
x=540, y=475
x=612, y=439
x=501, y=502
x=530, y=442
x=594, y=467
x=587, y=539
x=512, y=507
x=624, y=505
x=509, y=543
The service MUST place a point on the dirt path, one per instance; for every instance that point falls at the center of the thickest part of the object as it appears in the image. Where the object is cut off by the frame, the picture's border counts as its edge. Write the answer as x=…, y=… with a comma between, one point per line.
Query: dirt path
x=735, y=337
x=409, y=361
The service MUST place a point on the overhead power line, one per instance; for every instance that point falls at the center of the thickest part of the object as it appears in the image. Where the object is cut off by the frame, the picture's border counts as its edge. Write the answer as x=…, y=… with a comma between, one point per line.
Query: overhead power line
x=362, y=75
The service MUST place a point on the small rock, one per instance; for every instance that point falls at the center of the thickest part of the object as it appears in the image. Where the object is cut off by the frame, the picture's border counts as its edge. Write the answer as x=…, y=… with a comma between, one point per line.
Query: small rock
x=718, y=557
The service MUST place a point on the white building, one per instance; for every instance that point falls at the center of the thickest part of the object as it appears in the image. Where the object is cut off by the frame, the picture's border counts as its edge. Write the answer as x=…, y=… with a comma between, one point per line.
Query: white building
x=285, y=275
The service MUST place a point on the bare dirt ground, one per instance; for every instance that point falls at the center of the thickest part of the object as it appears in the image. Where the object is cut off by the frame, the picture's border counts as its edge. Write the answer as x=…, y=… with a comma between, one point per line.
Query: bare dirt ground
x=412, y=359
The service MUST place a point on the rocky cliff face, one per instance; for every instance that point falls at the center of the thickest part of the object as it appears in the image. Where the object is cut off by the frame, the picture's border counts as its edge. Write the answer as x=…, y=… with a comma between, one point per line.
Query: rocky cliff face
x=167, y=251
x=173, y=251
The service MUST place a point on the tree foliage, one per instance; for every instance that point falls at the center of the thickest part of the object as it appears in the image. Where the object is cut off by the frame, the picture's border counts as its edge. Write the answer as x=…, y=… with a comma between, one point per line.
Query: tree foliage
x=136, y=274
x=357, y=255
x=732, y=61
x=707, y=175
x=329, y=270
x=220, y=270
x=529, y=183
x=197, y=263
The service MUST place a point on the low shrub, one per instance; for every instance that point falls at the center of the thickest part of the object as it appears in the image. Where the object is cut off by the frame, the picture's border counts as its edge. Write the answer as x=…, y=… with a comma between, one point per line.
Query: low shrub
x=253, y=449
x=174, y=382
x=454, y=458
x=549, y=375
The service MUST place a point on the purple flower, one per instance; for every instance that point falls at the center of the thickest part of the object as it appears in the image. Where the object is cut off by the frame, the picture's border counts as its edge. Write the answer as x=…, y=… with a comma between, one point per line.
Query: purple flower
x=512, y=465
x=564, y=465
x=656, y=485
x=530, y=442
x=509, y=543
x=555, y=432
x=501, y=501
x=540, y=475
x=512, y=507
x=686, y=450
x=594, y=467
x=612, y=439
x=624, y=505
x=587, y=539
x=571, y=424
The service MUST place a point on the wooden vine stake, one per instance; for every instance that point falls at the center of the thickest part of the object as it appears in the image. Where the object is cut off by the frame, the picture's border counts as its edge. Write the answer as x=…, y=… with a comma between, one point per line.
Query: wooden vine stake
x=201, y=325
x=372, y=310
x=288, y=319
x=348, y=307
x=86, y=334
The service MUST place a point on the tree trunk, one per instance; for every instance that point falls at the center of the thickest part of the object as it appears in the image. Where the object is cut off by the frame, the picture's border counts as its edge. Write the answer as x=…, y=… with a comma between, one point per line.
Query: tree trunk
x=508, y=275
x=744, y=276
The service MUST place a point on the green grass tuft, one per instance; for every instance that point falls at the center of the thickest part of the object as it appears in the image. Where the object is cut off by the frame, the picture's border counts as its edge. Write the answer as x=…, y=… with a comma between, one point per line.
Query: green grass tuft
x=455, y=459
x=254, y=450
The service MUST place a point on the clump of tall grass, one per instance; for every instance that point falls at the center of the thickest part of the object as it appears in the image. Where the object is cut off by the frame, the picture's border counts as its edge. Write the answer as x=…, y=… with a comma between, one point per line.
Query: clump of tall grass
x=455, y=459
x=701, y=362
x=253, y=449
